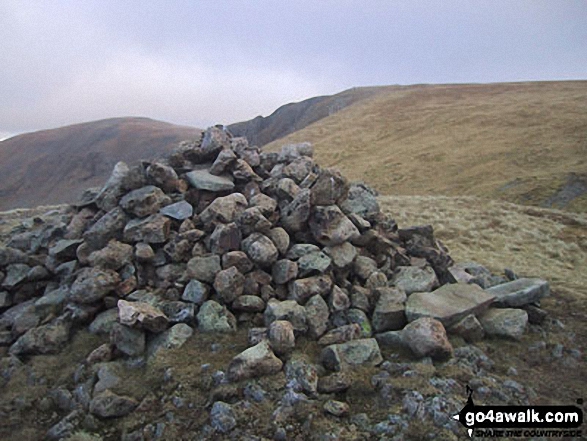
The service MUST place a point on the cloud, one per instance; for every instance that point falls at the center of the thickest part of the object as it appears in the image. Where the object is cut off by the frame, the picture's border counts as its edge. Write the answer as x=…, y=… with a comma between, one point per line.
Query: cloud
x=199, y=63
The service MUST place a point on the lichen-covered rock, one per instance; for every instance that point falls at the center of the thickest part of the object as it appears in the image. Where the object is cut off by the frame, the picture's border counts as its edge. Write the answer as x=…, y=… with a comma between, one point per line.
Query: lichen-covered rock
x=204, y=180
x=181, y=210
x=152, y=229
x=288, y=310
x=352, y=353
x=214, y=317
x=93, y=284
x=284, y=270
x=113, y=256
x=317, y=315
x=301, y=290
x=519, y=292
x=413, y=279
x=229, y=284
x=129, y=341
x=507, y=322
x=204, y=268
x=144, y=201
x=224, y=209
x=260, y=249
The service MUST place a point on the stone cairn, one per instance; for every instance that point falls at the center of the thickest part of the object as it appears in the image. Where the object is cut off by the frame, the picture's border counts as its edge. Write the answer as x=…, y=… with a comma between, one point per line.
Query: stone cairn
x=220, y=235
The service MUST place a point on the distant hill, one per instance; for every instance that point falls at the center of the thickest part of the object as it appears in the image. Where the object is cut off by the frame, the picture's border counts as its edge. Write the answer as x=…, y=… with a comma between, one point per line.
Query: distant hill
x=295, y=116
x=519, y=142
x=55, y=166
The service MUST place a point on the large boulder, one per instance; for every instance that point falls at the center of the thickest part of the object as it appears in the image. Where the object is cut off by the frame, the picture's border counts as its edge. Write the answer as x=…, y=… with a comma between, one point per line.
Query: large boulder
x=507, y=322
x=449, y=303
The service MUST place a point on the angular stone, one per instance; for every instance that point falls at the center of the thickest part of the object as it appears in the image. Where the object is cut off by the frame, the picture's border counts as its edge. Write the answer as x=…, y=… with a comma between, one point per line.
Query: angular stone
x=341, y=334
x=288, y=310
x=163, y=176
x=248, y=304
x=129, y=341
x=64, y=249
x=113, y=256
x=225, y=238
x=256, y=335
x=449, y=303
x=361, y=200
x=93, y=284
x=224, y=209
x=413, y=279
x=352, y=353
x=317, y=315
x=507, y=322
x=109, y=226
x=204, y=268
x=5, y=299
x=174, y=337
x=229, y=284
x=144, y=252
x=519, y=292
x=254, y=362
x=426, y=337
x=143, y=315
x=252, y=221
x=223, y=162
x=152, y=229
x=109, y=405
x=301, y=375
x=313, y=264
x=290, y=152
x=222, y=418
x=301, y=290
x=389, y=313
x=298, y=169
x=280, y=239
x=15, y=274
x=469, y=328
x=281, y=337
x=195, y=292
x=104, y=322
x=181, y=210
x=342, y=255
x=179, y=312
x=213, y=317
x=360, y=318
x=266, y=204
x=284, y=270
x=331, y=227
x=215, y=140
x=294, y=216
x=287, y=189
x=301, y=249
x=204, y=180
x=338, y=300
x=330, y=188
x=144, y=201
x=364, y=266
x=9, y=255
x=260, y=249
x=45, y=339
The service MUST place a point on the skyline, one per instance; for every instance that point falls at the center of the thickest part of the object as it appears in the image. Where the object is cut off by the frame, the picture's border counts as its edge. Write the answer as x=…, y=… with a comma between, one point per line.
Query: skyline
x=208, y=62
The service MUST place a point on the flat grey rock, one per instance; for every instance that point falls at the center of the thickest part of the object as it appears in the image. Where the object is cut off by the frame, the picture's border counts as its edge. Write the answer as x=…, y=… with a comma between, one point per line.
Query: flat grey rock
x=519, y=292
x=203, y=180
x=449, y=303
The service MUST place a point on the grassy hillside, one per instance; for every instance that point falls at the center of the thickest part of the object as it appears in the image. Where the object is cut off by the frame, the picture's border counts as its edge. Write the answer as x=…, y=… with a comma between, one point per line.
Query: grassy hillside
x=520, y=142
x=55, y=166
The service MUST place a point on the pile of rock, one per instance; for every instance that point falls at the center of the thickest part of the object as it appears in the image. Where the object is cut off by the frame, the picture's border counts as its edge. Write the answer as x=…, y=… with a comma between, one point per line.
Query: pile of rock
x=221, y=235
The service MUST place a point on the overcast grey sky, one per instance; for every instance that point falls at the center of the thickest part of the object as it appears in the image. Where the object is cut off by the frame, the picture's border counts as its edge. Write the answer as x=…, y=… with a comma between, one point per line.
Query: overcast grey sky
x=220, y=61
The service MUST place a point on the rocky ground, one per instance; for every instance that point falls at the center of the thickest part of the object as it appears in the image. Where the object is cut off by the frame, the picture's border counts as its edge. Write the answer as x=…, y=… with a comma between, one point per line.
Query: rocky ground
x=228, y=293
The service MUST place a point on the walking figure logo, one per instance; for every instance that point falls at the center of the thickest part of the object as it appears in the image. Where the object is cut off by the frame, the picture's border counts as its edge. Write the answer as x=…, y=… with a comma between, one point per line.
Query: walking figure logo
x=469, y=407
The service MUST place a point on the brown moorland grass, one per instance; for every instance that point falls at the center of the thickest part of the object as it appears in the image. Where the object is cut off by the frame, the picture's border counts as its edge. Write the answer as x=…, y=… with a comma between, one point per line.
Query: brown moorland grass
x=518, y=142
